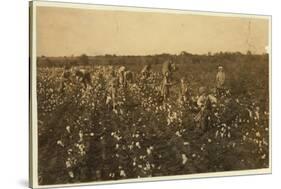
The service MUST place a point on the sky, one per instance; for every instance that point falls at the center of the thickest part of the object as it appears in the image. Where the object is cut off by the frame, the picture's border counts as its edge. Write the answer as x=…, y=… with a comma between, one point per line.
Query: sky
x=73, y=31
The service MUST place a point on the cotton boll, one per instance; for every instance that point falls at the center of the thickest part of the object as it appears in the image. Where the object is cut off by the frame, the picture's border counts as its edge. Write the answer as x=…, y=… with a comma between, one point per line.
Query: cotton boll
x=80, y=136
x=258, y=134
x=138, y=144
x=59, y=142
x=184, y=159
x=68, y=164
x=148, y=151
x=71, y=174
x=68, y=128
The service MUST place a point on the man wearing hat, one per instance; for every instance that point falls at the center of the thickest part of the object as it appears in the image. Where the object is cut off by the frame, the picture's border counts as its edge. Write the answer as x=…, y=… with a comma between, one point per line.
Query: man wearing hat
x=220, y=79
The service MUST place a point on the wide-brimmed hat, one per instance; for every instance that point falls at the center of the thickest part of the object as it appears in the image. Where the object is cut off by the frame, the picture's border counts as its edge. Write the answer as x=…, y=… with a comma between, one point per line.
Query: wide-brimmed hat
x=122, y=68
x=202, y=90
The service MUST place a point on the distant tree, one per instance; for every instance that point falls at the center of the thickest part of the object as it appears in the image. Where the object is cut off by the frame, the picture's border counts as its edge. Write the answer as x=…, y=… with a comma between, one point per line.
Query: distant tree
x=84, y=59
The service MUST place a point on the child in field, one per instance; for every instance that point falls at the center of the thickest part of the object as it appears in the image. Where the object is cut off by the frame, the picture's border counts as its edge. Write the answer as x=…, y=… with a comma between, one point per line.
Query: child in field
x=220, y=80
x=121, y=76
x=204, y=103
x=65, y=77
x=183, y=93
x=112, y=90
x=166, y=84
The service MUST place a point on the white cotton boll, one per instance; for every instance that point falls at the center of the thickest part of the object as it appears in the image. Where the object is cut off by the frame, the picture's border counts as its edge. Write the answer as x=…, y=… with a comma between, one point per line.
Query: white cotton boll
x=71, y=174
x=108, y=99
x=68, y=128
x=169, y=121
x=68, y=164
x=148, y=166
x=217, y=133
x=184, y=159
x=69, y=151
x=148, y=151
x=186, y=143
x=91, y=134
x=228, y=135
x=138, y=144
x=258, y=134
x=80, y=136
x=209, y=140
x=59, y=142
x=178, y=134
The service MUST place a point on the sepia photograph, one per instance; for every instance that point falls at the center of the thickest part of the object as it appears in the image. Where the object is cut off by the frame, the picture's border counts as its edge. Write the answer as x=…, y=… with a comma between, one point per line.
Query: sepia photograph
x=128, y=94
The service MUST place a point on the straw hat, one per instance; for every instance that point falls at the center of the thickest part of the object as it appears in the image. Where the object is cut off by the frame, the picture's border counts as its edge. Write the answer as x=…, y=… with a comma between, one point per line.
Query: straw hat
x=122, y=69
x=202, y=90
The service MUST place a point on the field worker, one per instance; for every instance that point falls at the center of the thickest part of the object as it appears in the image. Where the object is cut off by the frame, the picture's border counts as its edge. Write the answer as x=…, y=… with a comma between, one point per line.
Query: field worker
x=84, y=77
x=65, y=77
x=145, y=72
x=183, y=93
x=220, y=79
x=109, y=72
x=129, y=76
x=204, y=103
x=121, y=76
x=165, y=89
x=112, y=92
x=168, y=66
